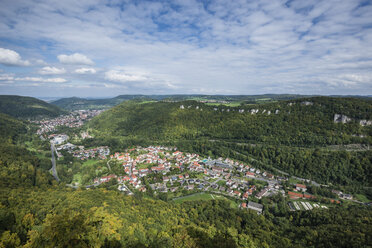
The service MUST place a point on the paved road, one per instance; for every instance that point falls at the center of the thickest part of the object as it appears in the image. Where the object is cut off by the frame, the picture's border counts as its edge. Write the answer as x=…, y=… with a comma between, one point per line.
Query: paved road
x=53, y=169
x=108, y=164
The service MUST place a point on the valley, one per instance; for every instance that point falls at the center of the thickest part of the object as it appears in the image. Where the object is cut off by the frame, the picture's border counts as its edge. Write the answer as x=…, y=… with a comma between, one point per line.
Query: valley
x=195, y=164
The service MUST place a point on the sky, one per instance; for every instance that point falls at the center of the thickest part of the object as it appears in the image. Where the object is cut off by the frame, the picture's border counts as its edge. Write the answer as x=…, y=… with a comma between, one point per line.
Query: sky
x=103, y=48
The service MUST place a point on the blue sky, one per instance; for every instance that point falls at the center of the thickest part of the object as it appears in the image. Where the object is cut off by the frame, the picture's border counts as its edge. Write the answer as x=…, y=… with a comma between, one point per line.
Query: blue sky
x=106, y=48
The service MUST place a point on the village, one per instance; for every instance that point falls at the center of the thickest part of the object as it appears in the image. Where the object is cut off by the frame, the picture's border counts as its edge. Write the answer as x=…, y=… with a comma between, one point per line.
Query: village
x=166, y=170
x=176, y=173
x=74, y=119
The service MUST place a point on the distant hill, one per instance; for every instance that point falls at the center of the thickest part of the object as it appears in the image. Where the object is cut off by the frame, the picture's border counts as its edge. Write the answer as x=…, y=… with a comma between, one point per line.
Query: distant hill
x=76, y=103
x=27, y=107
x=301, y=121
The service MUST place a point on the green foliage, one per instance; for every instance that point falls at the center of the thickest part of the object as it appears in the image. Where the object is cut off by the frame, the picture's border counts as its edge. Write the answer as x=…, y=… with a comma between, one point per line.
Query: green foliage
x=10, y=128
x=61, y=217
x=294, y=125
x=27, y=107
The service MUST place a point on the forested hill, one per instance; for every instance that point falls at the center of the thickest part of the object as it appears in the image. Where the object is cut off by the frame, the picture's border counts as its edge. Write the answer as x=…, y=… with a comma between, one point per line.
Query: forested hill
x=27, y=107
x=76, y=103
x=307, y=121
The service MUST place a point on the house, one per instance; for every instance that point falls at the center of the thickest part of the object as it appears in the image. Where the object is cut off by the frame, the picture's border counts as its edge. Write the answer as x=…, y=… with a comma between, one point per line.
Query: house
x=250, y=174
x=301, y=187
x=243, y=205
x=190, y=187
x=122, y=188
x=294, y=195
x=347, y=196
x=237, y=193
x=337, y=192
x=255, y=206
x=308, y=196
x=262, y=193
x=107, y=178
x=270, y=176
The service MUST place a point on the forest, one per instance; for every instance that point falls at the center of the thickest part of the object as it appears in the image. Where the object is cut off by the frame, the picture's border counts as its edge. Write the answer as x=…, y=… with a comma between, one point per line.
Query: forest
x=294, y=124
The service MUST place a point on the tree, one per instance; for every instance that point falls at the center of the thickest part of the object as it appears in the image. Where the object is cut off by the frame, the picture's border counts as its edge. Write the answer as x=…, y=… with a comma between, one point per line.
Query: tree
x=76, y=229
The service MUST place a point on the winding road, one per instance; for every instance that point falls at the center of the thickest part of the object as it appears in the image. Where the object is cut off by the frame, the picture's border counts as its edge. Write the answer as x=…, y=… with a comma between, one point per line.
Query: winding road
x=54, y=169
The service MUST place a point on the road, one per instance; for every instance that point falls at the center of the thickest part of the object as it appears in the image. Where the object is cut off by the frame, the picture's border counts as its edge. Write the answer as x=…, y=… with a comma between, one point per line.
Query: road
x=108, y=164
x=54, y=169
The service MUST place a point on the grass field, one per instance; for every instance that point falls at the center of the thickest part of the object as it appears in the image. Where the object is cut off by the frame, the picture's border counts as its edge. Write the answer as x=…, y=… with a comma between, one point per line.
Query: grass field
x=205, y=197
x=90, y=162
x=143, y=166
x=362, y=198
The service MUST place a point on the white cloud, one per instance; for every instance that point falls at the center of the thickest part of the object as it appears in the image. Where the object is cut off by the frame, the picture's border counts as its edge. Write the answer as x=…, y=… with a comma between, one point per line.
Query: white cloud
x=6, y=77
x=10, y=57
x=85, y=71
x=123, y=76
x=41, y=80
x=76, y=59
x=47, y=70
x=241, y=47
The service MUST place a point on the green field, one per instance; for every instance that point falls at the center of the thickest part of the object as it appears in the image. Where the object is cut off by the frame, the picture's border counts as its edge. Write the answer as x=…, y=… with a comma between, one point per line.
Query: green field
x=362, y=198
x=203, y=197
x=90, y=162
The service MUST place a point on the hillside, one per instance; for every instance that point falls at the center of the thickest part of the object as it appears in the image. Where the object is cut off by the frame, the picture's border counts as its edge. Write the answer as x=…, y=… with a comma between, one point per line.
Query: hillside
x=11, y=128
x=308, y=121
x=27, y=107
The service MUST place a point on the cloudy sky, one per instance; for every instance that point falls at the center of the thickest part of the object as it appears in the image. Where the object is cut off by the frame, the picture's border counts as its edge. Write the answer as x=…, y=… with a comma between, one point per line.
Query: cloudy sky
x=106, y=48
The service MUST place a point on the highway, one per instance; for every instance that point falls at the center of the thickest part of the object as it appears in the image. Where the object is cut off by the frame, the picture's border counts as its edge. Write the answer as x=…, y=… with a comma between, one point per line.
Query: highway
x=54, y=169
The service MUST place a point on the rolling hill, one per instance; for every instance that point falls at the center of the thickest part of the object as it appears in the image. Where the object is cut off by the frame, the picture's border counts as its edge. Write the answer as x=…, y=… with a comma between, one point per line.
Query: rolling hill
x=27, y=107
x=308, y=121
x=76, y=103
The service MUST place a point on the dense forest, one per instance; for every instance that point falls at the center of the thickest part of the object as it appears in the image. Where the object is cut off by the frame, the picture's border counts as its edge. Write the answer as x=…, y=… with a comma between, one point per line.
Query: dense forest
x=27, y=107
x=294, y=124
x=62, y=217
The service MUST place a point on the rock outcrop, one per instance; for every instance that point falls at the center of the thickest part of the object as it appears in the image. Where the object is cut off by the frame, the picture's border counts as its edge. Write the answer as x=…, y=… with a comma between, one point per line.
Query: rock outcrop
x=339, y=118
x=365, y=122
